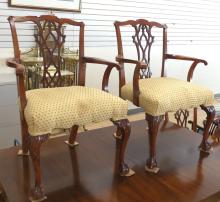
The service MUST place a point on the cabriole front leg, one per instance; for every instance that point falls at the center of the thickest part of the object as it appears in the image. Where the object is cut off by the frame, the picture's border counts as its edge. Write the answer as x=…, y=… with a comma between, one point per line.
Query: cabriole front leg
x=122, y=136
x=153, y=125
x=37, y=193
x=205, y=145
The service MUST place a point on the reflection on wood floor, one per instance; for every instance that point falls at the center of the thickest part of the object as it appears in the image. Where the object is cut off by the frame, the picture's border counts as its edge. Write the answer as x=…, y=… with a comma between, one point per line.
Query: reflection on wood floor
x=87, y=172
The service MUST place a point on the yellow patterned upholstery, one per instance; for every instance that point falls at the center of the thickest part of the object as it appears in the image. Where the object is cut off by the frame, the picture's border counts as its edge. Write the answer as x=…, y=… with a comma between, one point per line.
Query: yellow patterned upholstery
x=52, y=108
x=160, y=95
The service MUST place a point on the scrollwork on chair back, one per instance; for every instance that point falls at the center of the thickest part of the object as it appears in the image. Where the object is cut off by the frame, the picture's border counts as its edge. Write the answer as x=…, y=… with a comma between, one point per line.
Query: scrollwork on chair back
x=50, y=40
x=143, y=41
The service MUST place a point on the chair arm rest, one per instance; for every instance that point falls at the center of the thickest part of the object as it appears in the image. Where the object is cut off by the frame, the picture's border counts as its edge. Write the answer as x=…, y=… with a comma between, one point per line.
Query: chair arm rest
x=136, y=62
x=110, y=66
x=192, y=67
x=14, y=64
x=181, y=57
x=100, y=61
x=139, y=65
x=136, y=77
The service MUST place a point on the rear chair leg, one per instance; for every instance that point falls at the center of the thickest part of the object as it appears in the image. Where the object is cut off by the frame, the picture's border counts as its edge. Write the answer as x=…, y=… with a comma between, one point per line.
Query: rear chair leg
x=25, y=140
x=72, y=139
x=205, y=146
x=153, y=124
x=37, y=193
x=122, y=136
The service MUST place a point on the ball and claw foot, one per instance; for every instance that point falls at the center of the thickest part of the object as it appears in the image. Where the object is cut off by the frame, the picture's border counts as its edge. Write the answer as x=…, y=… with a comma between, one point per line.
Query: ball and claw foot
x=151, y=167
x=71, y=145
x=126, y=171
x=37, y=195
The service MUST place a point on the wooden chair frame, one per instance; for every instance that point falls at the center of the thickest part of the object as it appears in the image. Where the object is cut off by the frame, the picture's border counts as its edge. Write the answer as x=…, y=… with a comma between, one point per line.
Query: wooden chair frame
x=143, y=64
x=33, y=143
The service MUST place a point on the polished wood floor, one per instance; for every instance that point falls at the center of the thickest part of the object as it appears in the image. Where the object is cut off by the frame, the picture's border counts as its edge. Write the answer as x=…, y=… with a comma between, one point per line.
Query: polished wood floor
x=86, y=173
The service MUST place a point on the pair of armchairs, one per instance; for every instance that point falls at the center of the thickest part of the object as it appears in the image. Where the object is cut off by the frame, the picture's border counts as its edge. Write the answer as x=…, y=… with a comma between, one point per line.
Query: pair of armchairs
x=48, y=108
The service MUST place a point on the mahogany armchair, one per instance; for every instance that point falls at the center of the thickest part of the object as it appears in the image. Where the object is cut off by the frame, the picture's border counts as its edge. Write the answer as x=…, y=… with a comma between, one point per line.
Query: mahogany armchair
x=56, y=107
x=158, y=96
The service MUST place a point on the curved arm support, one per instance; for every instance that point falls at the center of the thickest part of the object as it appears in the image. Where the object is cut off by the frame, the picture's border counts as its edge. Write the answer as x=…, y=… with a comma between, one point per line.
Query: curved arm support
x=110, y=66
x=139, y=65
x=105, y=79
x=196, y=61
x=191, y=70
x=136, y=77
x=20, y=69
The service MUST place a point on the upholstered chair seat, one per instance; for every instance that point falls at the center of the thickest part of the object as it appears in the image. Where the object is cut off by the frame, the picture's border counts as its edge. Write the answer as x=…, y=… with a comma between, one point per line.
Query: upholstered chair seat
x=161, y=95
x=61, y=108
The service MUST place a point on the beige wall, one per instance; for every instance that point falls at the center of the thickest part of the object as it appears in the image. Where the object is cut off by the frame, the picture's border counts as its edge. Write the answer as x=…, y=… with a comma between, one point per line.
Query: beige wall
x=193, y=31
